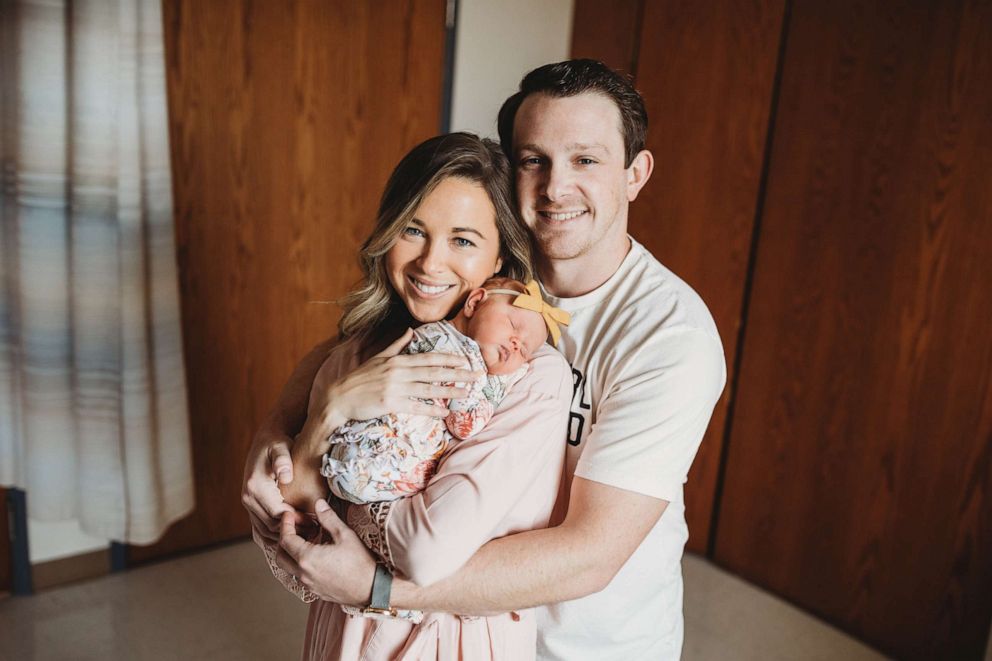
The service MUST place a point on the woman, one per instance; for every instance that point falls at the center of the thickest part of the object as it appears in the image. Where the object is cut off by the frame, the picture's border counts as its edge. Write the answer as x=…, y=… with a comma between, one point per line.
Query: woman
x=446, y=223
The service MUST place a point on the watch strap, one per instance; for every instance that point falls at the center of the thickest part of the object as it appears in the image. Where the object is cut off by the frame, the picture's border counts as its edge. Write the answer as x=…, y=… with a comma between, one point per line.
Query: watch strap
x=382, y=587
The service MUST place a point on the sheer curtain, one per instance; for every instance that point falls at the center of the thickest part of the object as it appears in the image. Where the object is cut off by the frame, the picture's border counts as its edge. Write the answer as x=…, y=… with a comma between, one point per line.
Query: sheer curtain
x=93, y=416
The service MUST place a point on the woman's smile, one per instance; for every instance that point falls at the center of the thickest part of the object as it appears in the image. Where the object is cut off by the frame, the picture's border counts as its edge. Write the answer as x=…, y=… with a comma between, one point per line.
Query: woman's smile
x=426, y=288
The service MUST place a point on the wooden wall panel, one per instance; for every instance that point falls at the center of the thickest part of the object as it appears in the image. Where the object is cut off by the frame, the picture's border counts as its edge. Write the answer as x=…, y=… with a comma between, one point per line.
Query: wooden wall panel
x=608, y=32
x=859, y=472
x=706, y=71
x=5, y=559
x=285, y=119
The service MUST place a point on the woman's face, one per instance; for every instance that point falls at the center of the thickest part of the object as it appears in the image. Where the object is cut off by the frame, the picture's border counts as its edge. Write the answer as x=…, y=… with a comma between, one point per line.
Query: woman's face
x=448, y=249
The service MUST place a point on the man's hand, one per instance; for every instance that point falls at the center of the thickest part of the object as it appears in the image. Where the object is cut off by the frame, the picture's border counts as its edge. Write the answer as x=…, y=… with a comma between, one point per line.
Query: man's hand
x=340, y=570
x=268, y=461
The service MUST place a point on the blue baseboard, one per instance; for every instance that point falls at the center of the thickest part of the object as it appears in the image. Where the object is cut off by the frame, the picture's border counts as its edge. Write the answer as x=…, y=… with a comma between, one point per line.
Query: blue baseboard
x=20, y=558
x=118, y=556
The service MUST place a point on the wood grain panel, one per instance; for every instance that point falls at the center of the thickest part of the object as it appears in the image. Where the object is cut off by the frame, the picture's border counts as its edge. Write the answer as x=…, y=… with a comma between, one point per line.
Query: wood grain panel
x=859, y=474
x=608, y=32
x=285, y=119
x=5, y=558
x=706, y=72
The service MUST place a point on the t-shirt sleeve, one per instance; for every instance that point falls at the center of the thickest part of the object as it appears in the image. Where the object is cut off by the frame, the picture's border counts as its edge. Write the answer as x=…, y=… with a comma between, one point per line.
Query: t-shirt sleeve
x=650, y=423
x=431, y=534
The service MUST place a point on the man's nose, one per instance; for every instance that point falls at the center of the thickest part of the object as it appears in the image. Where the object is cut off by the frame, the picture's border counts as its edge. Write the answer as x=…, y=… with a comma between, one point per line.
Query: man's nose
x=557, y=183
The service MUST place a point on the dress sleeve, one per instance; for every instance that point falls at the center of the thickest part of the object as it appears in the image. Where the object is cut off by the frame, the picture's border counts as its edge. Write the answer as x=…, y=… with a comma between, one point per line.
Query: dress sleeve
x=429, y=535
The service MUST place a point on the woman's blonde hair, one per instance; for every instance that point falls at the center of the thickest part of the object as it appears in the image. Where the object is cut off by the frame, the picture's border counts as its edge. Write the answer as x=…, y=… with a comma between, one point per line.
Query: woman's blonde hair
x=373, y=302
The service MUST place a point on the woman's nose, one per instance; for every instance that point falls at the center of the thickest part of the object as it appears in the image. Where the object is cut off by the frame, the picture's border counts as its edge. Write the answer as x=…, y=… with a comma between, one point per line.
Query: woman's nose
x=432, y=258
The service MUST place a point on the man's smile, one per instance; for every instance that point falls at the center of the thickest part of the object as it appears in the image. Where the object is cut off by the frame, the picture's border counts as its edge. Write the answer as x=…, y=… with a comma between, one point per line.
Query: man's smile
x=561, y=216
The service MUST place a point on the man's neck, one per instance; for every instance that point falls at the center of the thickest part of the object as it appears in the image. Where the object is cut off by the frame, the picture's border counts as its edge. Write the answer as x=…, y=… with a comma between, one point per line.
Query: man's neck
x=568, y=278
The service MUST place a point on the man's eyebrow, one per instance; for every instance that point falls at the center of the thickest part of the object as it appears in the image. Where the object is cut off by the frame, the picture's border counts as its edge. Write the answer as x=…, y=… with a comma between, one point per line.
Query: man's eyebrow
x=529, y=147
x=575, y=146
x=590, y=146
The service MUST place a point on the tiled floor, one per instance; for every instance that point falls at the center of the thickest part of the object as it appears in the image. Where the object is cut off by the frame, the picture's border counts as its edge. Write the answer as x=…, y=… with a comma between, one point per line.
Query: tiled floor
x=222, y=604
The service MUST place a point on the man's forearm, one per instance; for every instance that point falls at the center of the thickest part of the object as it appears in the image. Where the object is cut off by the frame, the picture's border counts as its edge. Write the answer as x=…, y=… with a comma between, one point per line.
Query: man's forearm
x=603, y=527
x=515, y=572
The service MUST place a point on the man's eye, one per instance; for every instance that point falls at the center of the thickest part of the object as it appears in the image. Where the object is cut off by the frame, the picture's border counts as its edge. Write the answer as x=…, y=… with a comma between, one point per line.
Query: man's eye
x=587, y=161
x=530, y=160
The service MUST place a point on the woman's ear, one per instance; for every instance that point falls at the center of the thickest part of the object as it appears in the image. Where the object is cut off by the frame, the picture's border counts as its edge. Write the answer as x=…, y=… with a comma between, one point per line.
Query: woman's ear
x=475, y=298
x=499, y=265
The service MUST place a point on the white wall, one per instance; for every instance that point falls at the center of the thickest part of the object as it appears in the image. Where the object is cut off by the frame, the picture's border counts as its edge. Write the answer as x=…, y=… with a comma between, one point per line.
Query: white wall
x=497, y=42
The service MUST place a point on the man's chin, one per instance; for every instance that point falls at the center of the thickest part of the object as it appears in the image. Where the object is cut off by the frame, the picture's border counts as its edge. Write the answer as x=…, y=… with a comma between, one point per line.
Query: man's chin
x=558, y=247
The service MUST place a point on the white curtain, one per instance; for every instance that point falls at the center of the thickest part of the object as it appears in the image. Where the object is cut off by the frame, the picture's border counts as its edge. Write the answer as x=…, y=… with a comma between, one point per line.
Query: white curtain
x=93, y=417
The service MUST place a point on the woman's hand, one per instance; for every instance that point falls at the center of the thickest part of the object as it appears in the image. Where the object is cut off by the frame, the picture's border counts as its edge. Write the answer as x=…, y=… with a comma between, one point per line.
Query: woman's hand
x=268, y=465
x=387, y=383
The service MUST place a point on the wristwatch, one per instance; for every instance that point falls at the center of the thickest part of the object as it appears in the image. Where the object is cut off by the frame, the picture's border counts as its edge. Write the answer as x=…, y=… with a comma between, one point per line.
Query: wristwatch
x=382, y=586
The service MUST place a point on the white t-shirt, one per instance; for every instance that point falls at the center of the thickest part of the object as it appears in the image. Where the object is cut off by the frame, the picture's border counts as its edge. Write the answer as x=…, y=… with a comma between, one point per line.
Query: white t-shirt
x=648, y=368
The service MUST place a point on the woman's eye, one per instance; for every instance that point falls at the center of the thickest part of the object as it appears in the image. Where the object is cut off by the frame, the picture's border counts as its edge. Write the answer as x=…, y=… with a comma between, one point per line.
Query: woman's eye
x=587, y=161
x=530, y=161
x=413, y=231
x=462, y=242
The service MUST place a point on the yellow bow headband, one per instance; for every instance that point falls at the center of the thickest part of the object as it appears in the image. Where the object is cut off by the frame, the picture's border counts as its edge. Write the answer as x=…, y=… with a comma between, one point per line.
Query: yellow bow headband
x=534, y=302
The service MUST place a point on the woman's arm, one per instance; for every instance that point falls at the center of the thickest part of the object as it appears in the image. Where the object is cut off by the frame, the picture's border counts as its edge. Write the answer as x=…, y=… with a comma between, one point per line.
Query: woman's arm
x=386, y=382
x=428, y=536
x=269, y=463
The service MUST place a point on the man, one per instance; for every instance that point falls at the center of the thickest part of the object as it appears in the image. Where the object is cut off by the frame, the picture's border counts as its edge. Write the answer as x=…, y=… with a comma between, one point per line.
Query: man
x=648, y=368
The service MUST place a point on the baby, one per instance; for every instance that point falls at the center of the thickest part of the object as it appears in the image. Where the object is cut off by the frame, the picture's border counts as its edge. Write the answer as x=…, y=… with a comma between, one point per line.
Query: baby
x=498, y=328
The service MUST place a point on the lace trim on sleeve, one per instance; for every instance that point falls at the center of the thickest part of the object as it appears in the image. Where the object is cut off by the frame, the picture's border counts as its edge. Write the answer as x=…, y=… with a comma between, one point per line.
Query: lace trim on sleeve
x=369, y=523
x=288, y=581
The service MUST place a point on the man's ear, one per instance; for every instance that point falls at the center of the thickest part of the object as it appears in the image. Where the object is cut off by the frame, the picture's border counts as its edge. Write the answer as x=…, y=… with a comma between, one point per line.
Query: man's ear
x=475, y=298
x=638, y=173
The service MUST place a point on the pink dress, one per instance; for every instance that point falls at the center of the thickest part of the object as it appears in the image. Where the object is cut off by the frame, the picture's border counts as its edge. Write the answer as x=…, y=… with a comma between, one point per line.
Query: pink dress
x=501, y=481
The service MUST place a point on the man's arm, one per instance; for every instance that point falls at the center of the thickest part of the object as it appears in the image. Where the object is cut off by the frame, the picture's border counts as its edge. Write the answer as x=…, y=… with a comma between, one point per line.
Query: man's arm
x=581, y=556
x=603, y=527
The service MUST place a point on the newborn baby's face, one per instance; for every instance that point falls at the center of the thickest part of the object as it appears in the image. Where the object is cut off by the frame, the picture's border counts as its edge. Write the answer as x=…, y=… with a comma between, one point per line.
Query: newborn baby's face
x=508, y=336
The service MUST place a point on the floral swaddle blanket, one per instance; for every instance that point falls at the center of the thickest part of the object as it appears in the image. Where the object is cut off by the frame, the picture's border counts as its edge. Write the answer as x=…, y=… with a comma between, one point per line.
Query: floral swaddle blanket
x=395, y=455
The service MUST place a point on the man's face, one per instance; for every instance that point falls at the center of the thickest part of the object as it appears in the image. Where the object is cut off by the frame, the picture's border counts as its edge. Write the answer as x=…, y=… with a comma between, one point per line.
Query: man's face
x=571, y=182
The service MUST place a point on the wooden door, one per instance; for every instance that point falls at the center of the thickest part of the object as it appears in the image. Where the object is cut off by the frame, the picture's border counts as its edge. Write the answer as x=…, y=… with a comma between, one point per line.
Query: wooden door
x=706, y=71
x=859, y=469
x=285, y=120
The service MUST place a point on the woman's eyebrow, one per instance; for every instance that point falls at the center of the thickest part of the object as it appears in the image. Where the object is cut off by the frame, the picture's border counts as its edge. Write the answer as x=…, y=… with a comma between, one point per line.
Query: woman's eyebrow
x=472, y=230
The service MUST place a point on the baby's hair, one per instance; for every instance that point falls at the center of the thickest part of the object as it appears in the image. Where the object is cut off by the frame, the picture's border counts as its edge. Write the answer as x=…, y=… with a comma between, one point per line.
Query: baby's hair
x=502, y=282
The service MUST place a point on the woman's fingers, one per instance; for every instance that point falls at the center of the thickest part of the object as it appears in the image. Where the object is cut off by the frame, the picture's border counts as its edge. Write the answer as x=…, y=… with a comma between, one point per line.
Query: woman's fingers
x=436, y=391
x=397, y=346
x=282, y=463
x=445, y=360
